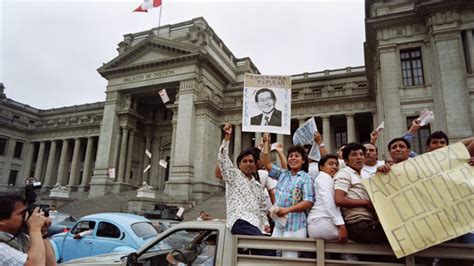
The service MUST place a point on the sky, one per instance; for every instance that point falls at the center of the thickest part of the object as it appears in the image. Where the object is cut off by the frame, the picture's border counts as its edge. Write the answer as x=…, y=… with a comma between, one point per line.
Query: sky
x=51, y=50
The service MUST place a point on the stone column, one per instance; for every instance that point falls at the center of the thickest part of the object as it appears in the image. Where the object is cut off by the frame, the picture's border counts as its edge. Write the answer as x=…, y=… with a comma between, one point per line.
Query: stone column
x=101, y=183
x=375, y=121
x=327, y=138
x=73, y=180
x=237, y=140
x=6, y=167
x=123, y=156
x=29, y=160
x=147, y=161
x=128, y=165
x=388, y=97
x=182, y=173
x=258, y=138
x=87, y=164
x=453, y=87
x=470, y=49
x=39, y=161
x=280, y=138
x=351, y=134
x=63, y=162
x=301, y=121
x=50, y=166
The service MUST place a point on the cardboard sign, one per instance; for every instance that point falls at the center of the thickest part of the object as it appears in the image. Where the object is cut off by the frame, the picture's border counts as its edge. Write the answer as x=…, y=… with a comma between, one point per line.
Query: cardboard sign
x=425, y=200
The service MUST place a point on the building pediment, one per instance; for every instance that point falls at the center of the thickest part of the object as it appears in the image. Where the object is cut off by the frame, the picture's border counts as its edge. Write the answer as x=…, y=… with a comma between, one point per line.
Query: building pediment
x=151, y=50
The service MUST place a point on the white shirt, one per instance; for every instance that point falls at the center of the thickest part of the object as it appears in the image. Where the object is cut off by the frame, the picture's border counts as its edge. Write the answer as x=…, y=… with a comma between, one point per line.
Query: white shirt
x=368, y=171
x=267, y=183
x=324, y=205
x=11, y=256
x=265, y=122
x=342, y=163
x=244, y=196
x=313, y=169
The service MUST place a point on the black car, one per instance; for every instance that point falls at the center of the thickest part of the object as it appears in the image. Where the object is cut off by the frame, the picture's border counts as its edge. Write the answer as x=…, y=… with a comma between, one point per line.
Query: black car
x=61, y=222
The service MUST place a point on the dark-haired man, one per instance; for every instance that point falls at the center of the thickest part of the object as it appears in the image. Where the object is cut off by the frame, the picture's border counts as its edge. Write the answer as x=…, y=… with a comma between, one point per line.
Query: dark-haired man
x=371, y=162
x=270, y=116
x=15, y=247
x=437, y=140
x=350, y=194
x=245, y=200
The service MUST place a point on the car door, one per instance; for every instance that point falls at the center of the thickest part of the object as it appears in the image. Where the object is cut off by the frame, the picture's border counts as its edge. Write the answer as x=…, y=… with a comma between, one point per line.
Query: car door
x=108, y=237
x=74, y=248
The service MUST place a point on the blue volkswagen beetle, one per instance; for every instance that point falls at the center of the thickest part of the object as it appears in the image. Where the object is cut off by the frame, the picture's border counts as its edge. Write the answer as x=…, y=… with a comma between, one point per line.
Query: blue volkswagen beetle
x=103, y=233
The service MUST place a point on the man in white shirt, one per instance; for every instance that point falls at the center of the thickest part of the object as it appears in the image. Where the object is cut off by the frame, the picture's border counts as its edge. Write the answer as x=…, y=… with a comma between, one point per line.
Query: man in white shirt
x=371, y=162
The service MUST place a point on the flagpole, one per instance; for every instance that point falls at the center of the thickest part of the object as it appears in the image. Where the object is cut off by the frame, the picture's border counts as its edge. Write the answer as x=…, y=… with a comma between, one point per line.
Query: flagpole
x=159, y=19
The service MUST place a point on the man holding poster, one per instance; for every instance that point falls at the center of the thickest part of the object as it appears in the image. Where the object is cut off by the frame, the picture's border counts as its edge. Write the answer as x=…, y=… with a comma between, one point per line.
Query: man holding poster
x=426, y=200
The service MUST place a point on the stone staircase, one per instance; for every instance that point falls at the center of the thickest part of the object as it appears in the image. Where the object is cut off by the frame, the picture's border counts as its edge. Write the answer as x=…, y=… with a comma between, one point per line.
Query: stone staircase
x=80, y=205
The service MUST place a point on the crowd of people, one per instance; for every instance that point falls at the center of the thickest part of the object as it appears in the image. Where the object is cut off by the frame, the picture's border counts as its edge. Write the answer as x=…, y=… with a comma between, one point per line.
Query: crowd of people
x=302, y=198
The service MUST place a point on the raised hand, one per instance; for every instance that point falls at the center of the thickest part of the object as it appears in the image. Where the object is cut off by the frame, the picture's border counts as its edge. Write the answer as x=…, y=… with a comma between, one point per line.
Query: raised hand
x=279, y=147
x=227, y=129
x=266, y=138
x=318, y=139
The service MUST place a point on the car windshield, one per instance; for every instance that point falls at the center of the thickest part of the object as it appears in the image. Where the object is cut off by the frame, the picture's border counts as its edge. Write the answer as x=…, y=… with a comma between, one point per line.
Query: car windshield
x=176, y=240
x=143, y=229
x=61, y=217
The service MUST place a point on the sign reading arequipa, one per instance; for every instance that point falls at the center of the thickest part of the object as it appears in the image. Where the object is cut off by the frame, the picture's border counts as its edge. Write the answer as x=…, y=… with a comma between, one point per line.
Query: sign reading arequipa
x=425, y=200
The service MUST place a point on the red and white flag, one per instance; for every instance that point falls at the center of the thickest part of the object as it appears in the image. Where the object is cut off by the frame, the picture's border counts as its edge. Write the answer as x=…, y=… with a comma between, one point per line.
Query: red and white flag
x=147, y=4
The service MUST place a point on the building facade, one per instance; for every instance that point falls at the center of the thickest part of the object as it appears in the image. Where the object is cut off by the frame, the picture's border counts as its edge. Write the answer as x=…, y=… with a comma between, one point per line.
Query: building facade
x=418, y=55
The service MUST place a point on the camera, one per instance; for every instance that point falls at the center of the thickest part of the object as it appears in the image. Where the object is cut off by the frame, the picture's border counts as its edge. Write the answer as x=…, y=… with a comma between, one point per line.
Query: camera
x=30, y=196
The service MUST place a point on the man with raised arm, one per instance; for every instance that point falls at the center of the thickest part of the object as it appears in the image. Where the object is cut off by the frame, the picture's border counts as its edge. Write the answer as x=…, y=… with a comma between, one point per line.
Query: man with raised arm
x=244, y=195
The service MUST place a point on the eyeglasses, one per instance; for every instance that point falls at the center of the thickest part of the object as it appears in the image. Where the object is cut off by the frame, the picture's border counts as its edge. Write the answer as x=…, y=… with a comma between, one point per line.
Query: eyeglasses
x=268, y=99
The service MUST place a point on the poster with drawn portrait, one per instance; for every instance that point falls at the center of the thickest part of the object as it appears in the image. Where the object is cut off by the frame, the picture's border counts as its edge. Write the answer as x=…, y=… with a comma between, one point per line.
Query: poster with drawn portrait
x=267, y=104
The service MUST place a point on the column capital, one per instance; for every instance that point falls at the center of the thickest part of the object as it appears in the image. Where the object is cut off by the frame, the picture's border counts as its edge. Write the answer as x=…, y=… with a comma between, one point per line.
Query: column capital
x=188, y=86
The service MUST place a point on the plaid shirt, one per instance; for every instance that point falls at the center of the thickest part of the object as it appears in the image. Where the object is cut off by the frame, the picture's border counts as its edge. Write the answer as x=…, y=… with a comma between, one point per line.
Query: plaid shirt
x=290, y=191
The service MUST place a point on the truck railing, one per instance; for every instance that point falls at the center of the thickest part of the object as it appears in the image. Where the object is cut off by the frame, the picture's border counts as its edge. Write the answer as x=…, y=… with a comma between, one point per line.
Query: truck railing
x=320, y=252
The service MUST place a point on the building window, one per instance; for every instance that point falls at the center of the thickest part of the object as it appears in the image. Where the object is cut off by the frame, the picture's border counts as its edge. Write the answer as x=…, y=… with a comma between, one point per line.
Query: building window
x=18, y=150
x=3, y=146
x=12, y=178
x=412, y=67
x=418, y=144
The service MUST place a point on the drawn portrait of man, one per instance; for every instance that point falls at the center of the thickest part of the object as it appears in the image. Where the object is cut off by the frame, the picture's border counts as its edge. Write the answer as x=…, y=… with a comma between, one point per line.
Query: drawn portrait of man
x=270, y=116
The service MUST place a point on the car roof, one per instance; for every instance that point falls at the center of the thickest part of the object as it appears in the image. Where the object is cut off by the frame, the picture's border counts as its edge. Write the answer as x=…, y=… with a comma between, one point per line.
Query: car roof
x=117, y=217
x=164, y=220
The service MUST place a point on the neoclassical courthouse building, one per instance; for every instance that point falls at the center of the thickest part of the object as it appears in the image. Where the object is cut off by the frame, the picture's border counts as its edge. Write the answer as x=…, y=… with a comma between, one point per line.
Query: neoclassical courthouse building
x=418, y=54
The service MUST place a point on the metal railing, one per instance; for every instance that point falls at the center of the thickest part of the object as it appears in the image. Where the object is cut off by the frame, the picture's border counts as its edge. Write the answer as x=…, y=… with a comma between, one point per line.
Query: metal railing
x=320, y=252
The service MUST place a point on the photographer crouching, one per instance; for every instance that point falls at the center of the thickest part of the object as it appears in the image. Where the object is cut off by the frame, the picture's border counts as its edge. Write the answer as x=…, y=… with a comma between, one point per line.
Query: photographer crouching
x=16, y=247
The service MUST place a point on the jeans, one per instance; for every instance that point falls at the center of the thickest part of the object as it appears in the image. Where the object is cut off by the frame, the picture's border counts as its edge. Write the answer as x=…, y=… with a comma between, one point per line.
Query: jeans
x=366, y=232
x=242, y=227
